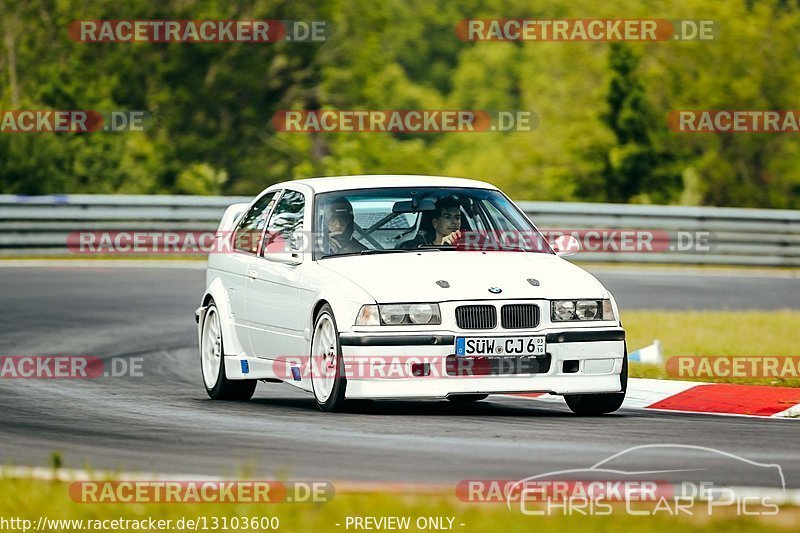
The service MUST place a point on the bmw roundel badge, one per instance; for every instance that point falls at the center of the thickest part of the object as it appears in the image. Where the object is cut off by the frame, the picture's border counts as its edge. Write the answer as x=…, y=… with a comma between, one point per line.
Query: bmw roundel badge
x=495, y=290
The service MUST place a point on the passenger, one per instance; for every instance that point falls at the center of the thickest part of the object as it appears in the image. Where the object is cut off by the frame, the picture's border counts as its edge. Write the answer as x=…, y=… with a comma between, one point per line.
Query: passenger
x=446, y=224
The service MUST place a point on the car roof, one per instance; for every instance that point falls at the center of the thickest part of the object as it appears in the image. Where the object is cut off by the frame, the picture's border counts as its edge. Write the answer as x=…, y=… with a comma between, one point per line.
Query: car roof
x=343, y=183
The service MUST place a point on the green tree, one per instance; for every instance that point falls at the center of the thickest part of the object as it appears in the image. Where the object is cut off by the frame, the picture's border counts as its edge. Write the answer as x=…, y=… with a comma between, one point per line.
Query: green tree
x=634, y=168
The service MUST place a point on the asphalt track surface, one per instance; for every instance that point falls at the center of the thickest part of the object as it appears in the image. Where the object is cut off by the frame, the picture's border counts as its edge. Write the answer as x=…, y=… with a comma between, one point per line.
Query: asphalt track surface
x=164, y=422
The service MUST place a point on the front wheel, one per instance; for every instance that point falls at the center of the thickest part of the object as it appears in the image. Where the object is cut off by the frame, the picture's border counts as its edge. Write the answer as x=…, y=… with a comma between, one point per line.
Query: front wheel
x=600, y=404
x=327, y=367
x=212, y=364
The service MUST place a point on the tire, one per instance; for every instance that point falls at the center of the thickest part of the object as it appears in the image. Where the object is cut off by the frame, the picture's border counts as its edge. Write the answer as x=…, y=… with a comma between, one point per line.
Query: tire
x=212, y=366
x=328, y=381
x=600, y=404
x=467, y=398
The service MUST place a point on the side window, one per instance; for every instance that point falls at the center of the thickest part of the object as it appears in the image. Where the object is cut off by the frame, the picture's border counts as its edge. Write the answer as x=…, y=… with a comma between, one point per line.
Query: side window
x=287, y=218
x=248, y=233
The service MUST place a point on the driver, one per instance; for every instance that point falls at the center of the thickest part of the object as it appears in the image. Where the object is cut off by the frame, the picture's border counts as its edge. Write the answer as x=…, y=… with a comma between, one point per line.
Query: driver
x=339, y=225
x=446, y=226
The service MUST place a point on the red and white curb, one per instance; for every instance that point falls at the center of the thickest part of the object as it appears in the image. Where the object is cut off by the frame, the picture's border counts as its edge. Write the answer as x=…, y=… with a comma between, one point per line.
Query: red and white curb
x=697, y=397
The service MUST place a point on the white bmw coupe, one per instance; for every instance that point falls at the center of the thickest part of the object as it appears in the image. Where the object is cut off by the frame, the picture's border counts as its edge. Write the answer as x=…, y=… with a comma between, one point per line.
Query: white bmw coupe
x=386, y=287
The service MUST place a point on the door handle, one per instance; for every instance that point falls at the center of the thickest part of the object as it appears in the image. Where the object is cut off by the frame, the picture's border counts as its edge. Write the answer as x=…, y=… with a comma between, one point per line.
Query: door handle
x=252, y=274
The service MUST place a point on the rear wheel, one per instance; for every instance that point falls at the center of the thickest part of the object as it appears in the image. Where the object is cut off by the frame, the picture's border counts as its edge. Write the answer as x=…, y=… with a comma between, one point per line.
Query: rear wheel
x=327, y=367
x=212, y=364
x=467, y=398
x=600, y=404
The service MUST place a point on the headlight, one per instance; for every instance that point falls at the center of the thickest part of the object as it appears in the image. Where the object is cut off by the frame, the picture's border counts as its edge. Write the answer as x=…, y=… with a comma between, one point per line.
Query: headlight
x=399, y=314
x=393, y=315
x=587, y=309
x=422, y=313
x=565, y=310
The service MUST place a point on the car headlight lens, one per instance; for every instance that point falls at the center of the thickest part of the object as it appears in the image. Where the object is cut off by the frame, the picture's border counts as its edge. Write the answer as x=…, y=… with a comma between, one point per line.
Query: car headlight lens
x=421, y=313
x=587, y=309
x=392, y=315
x=398, y=315
x=565, y=310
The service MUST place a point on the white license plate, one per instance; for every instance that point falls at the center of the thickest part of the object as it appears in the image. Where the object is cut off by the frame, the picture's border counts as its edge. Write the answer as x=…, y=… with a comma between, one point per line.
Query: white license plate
x=500, y=346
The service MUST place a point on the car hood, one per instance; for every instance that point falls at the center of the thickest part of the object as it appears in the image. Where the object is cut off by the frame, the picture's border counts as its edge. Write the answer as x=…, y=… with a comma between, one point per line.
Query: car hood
x=413, y=276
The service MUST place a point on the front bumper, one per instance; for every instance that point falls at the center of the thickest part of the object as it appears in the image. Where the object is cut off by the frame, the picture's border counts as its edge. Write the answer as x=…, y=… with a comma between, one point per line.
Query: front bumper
x=594, y=365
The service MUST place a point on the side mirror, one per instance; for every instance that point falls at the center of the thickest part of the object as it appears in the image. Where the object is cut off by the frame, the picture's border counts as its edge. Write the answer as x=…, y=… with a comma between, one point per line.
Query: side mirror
x=285, y=258
x=288, y=251
x=566, y=245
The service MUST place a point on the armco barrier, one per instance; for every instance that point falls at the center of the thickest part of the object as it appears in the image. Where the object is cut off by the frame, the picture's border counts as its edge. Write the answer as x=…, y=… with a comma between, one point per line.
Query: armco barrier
x=39, y=225
x=763, y=237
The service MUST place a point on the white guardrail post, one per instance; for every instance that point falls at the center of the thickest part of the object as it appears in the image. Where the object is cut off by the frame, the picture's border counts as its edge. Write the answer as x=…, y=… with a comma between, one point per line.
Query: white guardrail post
x=40, y=225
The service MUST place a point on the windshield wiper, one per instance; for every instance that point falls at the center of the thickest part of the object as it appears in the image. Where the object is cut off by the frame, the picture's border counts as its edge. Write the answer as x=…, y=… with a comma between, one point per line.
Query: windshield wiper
x=387, y=251
x=513, y=249
x=393, y=250
x=378, y=252
x=481, y=247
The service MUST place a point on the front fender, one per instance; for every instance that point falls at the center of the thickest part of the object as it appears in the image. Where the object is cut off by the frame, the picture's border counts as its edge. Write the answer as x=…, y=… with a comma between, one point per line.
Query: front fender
x=344, y=295
x=231, y=344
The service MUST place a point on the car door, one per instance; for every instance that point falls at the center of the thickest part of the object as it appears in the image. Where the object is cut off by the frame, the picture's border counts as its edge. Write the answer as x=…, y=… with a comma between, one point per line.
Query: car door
x=274, y=310
x=245, y=245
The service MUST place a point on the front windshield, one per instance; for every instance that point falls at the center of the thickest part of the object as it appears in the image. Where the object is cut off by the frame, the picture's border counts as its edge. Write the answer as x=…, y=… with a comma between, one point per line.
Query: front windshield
x=394, y=220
